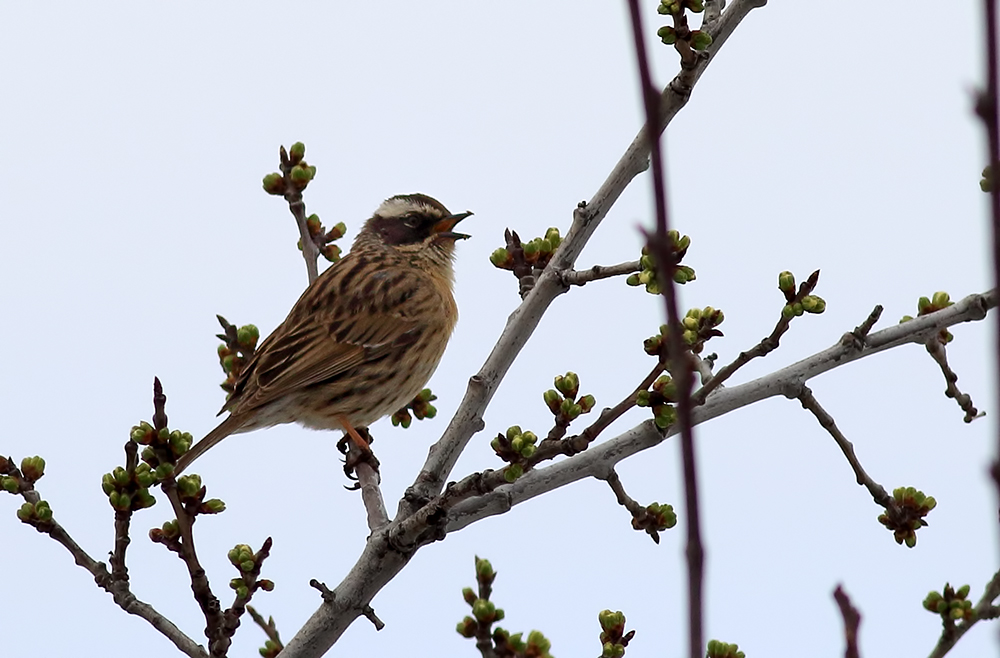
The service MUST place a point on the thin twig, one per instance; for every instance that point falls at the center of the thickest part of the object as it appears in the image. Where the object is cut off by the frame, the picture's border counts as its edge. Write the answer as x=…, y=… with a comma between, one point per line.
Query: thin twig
x=293, y=195
x=767, y=344
x=119, y=589
x=937, y=351
x=598, y=460
x=269, y=627
x=679, y=364
x=640, y=514
x=878, y=492
x=852, y=620
x=582, y=277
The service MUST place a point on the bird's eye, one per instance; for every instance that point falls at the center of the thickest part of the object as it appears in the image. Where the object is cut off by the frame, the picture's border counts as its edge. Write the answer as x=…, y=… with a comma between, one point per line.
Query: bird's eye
x=412, y=221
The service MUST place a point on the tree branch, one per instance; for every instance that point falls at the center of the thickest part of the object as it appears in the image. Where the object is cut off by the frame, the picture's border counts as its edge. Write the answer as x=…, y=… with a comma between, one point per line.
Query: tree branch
x=598, y=461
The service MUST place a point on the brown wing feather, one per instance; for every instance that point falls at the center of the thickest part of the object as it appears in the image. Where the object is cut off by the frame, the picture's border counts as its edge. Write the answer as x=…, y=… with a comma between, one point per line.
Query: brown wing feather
x=332, y=329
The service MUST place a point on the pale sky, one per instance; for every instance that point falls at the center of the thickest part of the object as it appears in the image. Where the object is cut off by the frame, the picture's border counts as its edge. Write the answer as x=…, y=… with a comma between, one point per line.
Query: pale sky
x=135, y=139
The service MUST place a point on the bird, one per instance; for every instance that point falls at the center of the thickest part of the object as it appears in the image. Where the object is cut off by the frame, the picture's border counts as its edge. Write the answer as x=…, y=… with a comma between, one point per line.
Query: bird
x=363, y=339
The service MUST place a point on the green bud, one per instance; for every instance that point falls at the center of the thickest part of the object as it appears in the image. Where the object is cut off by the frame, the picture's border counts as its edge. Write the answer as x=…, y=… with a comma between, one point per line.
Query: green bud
x=552, y=235
x=301, y=175
x=642, y=399
x=786, y=282
x=923, y=304
x=587, y=403
x=963, y=591
x=26, y=512
x=43, y=512
x=530, y=248
x=517, y=444
x=941, y=300
x=666, y=33
x=467, y=627
x=512, y=472
x=213, y=506
x=10, y=485
x=297, y=152
x=527, y=451
x=483, y=610
x=633, y=280
x=513, y=431
x=501, y=258
x=469, y=595
x=700, y=40
x=552, y=400
x=189, y=485
x=274, y=184
x=266, y=585
x=32, y=468
x=248, y=335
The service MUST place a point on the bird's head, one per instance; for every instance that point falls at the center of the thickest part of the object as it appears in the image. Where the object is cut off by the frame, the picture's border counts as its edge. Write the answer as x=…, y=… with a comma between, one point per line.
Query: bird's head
x=415, y=224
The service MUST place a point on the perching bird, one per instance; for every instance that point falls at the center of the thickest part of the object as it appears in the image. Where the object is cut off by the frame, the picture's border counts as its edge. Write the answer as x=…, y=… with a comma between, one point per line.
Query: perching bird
x=362, y=340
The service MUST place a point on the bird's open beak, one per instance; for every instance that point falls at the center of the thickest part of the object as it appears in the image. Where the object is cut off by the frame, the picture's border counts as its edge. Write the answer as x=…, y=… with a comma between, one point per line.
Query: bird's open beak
x=444, y=227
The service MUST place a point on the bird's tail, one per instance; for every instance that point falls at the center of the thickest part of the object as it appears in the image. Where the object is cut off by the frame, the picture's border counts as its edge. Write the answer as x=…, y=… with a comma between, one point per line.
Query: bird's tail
x=224, y=429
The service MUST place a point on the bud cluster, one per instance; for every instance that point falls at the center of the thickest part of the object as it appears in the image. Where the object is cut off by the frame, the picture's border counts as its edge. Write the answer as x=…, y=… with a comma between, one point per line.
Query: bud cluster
x=420, y=406
x=911, y=506
x=299, y=173
x=248, y=564
x=324, y=239
x=793, y=307
x=717, y=649
x=657, y=517
x=563, y=402
x=698, y=326
x=37, y=514
x=940, y=300
x=536, y=253
x=614, y=639
x=16, y=481
x=647, y=276
x=952, y=604
x=485, y=614
x=660, y=398
x=234, y=354
x=129, y=492
x=162, y=449
x=515, y=447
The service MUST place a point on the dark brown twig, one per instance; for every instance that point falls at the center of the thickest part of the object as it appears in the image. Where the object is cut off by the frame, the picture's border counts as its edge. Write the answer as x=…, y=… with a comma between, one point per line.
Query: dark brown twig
x=987, y=108
x=679, y=365
x=852, y=620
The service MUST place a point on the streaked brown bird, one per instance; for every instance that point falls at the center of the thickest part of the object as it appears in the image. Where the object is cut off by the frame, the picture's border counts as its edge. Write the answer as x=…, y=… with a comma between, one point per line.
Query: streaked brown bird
x=364, y=338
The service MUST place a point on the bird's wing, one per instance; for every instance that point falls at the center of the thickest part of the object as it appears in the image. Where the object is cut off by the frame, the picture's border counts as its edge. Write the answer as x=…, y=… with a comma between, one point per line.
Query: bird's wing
x=339, y=323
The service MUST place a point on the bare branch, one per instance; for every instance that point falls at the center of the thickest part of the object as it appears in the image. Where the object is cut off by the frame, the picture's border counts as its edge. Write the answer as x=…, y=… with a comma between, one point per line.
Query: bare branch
x=586, y=218
x=598, y=461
